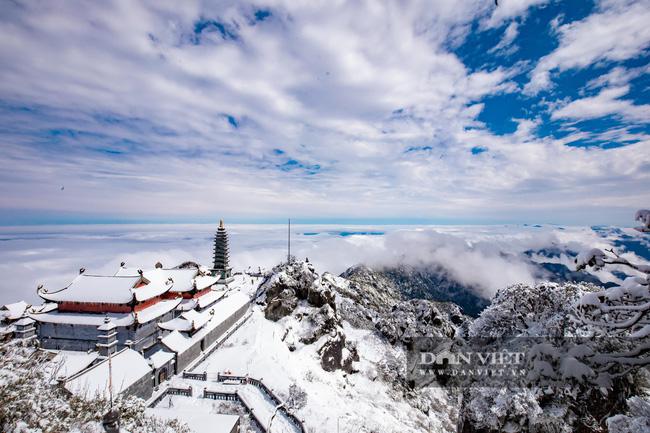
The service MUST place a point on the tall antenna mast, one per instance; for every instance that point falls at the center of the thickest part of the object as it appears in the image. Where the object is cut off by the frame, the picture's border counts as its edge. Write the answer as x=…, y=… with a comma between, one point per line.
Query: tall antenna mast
x=289, y=242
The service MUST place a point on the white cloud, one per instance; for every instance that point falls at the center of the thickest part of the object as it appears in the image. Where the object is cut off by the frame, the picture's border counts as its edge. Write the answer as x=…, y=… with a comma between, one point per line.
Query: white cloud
x=348, y=93
x=618, y=76
x=617, y=32
x=53, y=255
x=505, y=44
x=509, y=9
x=607, y=102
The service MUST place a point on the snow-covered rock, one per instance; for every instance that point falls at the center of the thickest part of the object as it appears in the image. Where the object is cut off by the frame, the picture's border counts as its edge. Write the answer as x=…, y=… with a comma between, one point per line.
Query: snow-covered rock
x=636, y=420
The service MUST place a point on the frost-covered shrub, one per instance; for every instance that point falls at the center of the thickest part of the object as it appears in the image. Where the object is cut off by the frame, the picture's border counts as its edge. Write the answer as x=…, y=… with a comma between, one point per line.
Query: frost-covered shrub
x=297, y=398
x=561, y=393
x=29, y=403
x=500, y=409
x=522, y=310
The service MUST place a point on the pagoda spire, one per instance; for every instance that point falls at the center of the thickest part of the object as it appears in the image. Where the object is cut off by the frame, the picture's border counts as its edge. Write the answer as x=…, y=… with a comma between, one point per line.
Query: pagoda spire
x=221, y=255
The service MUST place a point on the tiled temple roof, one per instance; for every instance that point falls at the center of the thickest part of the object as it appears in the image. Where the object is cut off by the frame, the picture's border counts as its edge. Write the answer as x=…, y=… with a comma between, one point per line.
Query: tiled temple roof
x=95, y=288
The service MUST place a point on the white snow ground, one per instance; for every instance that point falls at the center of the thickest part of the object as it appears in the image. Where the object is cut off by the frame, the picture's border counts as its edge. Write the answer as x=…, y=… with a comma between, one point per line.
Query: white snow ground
x=336, y=401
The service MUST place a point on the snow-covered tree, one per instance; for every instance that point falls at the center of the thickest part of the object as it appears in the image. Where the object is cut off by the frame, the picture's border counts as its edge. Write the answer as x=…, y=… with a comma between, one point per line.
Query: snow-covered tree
x=621, y=313
x=29, y=403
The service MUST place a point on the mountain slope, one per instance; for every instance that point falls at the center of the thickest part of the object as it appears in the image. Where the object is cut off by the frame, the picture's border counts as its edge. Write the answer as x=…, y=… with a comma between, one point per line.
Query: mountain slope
x=344, y=343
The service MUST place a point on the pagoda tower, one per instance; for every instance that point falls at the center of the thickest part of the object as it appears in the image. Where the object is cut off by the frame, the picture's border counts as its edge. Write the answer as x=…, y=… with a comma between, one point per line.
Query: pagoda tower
x=221, y=265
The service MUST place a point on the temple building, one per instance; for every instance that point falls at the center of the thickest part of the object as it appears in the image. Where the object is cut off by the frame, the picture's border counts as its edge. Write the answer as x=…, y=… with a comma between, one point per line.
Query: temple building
x=13, y=321
x=133, y=303
x=221, y=263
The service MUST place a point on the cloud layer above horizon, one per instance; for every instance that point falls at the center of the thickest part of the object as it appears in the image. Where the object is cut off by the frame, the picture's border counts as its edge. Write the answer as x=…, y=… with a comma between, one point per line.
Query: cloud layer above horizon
x=532, y=110
x=52, y=255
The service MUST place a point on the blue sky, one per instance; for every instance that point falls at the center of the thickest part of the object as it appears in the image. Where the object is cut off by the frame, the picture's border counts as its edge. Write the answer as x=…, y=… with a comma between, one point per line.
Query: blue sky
x=418, y=111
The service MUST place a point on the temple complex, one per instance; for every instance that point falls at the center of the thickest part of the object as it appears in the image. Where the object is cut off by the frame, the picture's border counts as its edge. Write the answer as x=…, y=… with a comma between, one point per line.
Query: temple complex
x=157, y=322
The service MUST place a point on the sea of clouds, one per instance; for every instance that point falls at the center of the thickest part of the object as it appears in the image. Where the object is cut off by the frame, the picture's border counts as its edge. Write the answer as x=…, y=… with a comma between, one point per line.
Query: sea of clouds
x=484, y=257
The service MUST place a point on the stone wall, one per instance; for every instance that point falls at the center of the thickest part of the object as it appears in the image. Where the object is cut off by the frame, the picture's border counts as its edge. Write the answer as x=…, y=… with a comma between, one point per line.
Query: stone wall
x=191, y=354
x=84, y=337
x=67, y=337
x=217, y=332
x=143, y=388
x=185, y=358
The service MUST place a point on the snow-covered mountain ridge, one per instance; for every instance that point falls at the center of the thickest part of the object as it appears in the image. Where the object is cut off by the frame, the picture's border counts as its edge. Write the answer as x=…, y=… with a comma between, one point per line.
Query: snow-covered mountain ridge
x=366, y=303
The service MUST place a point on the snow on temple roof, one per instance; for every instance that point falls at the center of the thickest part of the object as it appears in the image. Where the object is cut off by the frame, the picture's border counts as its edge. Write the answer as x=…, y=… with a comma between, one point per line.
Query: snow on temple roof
x=128, y=367
x=188, y=321
x=199, y=421
x=177, y=324
x=119, y=319
x=156, y=310
x=107, y=326
x=120, y=288
x=222, y=311
x=204, y=281
x=43, y=308
x=183, y=279
x=68, y=363
x=95, y=288
x=195, y=318
x=231, y=303
x=177, y=342
x=187, y=304
x=5, y=330
x=210, y=297
x=160, y=358
x=24, y=321
x=159, y=283
x=13, y=311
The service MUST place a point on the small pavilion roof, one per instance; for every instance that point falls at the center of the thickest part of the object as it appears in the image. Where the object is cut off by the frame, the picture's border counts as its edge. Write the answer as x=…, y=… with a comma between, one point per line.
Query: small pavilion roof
x=188, y=321
x=160, y=358
x=187, y=304
x=128, y=366
x=13, y=311
x=68, y=363
x=197, y=319
x=177, y=342
x=24, y=321
x=108, y=325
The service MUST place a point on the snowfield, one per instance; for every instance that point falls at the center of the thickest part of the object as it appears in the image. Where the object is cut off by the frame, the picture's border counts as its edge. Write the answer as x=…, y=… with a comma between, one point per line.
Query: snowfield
x=349, y=402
